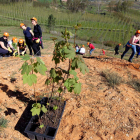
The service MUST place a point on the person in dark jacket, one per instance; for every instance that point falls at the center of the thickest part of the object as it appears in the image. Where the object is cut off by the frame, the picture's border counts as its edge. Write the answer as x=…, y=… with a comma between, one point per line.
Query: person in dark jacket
x=36, y=37
x=5, y=50
x=28, y=36
x=117, y=49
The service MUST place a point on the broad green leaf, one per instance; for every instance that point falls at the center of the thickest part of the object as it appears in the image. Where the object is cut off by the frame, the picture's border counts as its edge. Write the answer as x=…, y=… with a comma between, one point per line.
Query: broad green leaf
x=48, y=104
x=41, y=69
x=44, y=109
x=83, y=68
x=60, y=89
x=41, y=126
x=25, y=57
x=73, y=72
x=53, y=73
x=70, y=53
x=56, y=60
x=35, y=111
x=40, y=60
x=26, y=68
x=29, y=79
x=77, y=88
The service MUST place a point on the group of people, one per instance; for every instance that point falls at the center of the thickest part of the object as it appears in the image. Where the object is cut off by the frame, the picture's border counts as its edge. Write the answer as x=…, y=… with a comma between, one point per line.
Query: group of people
x=133, y=44
x=81, y=50
x=33, y=39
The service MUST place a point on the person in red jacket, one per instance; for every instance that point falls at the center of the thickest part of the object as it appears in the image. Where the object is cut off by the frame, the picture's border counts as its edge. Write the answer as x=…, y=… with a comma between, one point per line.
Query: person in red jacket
x=91, y=47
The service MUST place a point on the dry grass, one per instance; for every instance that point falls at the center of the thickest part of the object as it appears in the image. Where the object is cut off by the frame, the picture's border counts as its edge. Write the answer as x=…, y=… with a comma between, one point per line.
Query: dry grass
x=135, y=83
x=112, y=78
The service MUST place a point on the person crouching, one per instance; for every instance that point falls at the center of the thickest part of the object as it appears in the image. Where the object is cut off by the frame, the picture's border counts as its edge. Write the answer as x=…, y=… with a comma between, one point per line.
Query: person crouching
x=82, y=50
x=21, y=47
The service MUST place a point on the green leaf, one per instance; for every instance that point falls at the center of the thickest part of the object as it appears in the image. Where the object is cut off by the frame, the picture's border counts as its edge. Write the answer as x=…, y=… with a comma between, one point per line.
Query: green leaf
x=44, y=109
x=60, y=89
x=70, y=52
x=48, y=104
x=77, y=88
x=83, y=68
x=53, y=73
x=56, y=60
x=26, y=68
x=41, y=69
x=47, y=82
x=55, y=107
x=73, y=72
x=53, y=38
x=35, y=111
x=41, y=126
x=29, y=79
x=25, y=57
x=40, y=60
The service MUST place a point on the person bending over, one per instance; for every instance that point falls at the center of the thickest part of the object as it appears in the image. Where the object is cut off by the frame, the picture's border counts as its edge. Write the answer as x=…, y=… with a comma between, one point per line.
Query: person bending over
x=21, y=47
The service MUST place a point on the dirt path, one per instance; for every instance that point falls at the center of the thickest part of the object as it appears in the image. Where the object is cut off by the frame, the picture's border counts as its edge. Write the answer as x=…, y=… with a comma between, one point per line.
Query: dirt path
x=99, y=113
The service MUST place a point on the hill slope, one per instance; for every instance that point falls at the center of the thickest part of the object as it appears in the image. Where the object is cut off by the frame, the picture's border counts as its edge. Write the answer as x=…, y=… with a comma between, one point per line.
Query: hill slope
x=100, y=112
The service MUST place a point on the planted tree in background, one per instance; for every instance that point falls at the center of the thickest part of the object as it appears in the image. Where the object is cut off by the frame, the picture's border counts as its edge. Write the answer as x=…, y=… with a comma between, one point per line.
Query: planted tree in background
x=51, y=22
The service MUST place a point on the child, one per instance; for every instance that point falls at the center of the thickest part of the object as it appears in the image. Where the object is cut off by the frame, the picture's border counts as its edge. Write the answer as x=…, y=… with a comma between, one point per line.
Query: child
x=77, y=49
x=103, y=51
x=21, y=47
x=117, y=49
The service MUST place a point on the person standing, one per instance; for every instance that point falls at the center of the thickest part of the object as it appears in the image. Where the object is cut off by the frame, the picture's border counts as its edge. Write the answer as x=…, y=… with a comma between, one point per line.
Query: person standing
x=36, y=37
x=132, y=44
x=117, y=49
x=28, y=36
x=5, y=50
x=91, y=46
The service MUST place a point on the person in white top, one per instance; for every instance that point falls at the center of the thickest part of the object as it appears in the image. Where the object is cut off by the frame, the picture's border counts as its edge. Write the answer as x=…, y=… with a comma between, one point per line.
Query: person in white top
x=13, y=43
x=82, y=50
x=132, y=44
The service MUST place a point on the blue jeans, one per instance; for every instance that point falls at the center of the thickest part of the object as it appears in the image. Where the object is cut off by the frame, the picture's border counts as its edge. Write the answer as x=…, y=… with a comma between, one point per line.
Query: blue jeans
x=133, y=47
x=138, y=50
x=91, y=50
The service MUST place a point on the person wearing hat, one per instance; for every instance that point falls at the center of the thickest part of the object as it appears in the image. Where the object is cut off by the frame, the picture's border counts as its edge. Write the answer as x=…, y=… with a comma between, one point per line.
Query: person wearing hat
x=28, y=34
x=131, y=44
x=21, y=47
x=91, y=46
x=117, y=49
x=37, y=38
x=82, y=50
x=5, y=50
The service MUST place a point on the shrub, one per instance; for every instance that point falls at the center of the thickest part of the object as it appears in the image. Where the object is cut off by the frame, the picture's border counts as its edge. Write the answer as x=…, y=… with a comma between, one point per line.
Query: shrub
x=3, y=123
x=112, y=78
x=135, y=83
x=110, y=43
x=94, y=39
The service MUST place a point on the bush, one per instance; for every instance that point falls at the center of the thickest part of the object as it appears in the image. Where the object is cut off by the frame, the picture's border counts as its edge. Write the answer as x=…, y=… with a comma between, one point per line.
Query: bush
x=110, y=43
x=94, y=39
x=3, y=123
x=135, y=83
x=112, y=78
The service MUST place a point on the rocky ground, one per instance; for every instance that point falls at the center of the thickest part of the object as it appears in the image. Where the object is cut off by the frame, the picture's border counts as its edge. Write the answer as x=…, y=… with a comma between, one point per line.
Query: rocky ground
x=100, y=112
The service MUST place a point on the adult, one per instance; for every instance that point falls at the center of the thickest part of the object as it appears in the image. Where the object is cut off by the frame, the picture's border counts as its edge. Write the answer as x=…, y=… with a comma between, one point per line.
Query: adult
x=131, y=44
x=36, y=38
x=21, y=47
x=28, y=34
x=5, y=50
x=82, y=50
x=91, y=46
x=117, y=49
